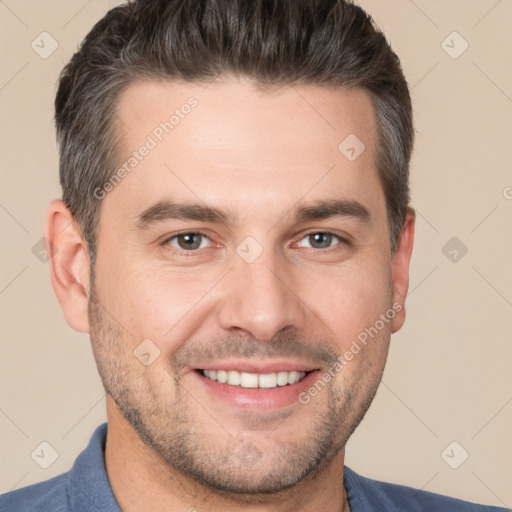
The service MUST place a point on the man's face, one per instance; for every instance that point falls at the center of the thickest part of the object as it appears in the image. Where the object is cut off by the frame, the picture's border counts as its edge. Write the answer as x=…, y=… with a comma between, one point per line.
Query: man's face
x=259, y=289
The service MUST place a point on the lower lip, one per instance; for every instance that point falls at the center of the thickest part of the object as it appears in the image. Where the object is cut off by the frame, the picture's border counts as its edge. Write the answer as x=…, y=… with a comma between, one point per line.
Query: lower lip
x=258, y=398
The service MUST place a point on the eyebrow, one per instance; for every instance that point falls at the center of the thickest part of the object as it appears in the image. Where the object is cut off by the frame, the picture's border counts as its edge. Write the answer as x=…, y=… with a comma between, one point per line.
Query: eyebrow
x=169, y=210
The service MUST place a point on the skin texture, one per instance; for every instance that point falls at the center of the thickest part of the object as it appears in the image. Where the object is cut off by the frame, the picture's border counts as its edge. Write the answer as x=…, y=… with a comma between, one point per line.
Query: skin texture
x=172, y=444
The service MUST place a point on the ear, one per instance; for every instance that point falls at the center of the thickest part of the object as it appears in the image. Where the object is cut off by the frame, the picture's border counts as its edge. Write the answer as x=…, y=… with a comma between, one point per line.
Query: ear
x=400, y=269
x=69, y=264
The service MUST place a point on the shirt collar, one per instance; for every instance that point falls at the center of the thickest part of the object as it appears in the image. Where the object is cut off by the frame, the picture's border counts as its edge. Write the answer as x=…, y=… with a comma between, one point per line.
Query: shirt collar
x=363, y=494
x=87, y=482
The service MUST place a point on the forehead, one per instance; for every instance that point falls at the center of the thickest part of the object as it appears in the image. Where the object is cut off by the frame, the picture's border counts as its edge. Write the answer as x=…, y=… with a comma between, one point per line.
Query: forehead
x=231, y=140
x=243, y=111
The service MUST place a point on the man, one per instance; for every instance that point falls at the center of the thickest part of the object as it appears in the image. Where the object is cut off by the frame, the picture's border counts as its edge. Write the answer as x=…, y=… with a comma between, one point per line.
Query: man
x=235, y=218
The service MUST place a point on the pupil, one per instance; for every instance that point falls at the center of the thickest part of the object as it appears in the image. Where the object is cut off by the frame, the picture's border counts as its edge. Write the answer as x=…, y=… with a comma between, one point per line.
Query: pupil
x=324, y=239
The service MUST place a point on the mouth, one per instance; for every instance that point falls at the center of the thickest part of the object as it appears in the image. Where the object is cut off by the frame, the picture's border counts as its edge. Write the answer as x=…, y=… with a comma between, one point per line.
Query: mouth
x=254, y=380
x=255, y=390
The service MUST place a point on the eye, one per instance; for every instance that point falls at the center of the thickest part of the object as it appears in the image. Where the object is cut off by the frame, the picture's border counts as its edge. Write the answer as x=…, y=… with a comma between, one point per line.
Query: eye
x=191, y=241
x=188, y=241
x=321, y=240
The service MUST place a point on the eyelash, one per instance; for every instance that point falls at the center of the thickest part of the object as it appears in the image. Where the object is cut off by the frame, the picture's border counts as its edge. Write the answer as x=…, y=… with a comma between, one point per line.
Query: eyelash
x=182, y=252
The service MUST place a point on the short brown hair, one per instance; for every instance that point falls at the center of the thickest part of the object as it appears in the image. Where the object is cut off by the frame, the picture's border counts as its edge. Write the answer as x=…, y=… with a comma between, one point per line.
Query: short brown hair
x=272, y=42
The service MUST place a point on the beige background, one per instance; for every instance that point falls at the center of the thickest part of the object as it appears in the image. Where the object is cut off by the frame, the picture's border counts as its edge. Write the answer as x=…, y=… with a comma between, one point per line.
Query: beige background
x=448, y=376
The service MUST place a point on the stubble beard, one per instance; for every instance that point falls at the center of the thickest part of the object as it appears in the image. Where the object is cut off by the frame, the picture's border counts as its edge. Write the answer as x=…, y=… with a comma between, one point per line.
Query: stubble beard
x=168, y=428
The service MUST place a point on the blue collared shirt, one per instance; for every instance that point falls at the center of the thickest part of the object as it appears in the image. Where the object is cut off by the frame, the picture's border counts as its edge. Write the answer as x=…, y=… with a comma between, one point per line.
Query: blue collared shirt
x=85, y=488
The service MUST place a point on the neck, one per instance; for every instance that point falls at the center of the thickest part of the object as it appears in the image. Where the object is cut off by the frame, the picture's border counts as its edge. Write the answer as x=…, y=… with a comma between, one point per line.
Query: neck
x=142, y=481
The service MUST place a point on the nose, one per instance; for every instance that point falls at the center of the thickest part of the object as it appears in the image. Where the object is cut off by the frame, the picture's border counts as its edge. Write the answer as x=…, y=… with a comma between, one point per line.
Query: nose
x=258, y=299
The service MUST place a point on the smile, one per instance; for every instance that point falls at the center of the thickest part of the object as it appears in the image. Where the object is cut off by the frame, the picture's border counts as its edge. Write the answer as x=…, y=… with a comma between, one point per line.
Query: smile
x=254, y=380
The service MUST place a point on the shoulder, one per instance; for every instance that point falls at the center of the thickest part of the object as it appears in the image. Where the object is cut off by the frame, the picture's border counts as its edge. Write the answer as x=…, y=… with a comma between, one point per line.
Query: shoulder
x=85, y=487
x=51, y=495
x=368, y=494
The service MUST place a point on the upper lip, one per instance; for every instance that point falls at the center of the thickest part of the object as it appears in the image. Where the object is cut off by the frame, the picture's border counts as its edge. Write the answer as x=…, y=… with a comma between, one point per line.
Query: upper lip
x=262, y=367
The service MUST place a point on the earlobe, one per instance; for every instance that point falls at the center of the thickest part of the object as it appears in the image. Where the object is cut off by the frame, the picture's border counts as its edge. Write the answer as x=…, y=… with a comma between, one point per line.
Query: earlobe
x=69, y=264
x=400, y=269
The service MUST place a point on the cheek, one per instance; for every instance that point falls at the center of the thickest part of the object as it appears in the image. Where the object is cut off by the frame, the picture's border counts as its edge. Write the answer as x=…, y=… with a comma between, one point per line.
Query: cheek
x=352, y=306
x=350, y=298
x=165, y=306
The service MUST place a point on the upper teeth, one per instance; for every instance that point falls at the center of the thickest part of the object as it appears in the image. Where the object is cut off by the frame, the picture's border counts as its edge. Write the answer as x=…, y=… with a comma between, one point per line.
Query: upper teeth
x=254, y=380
